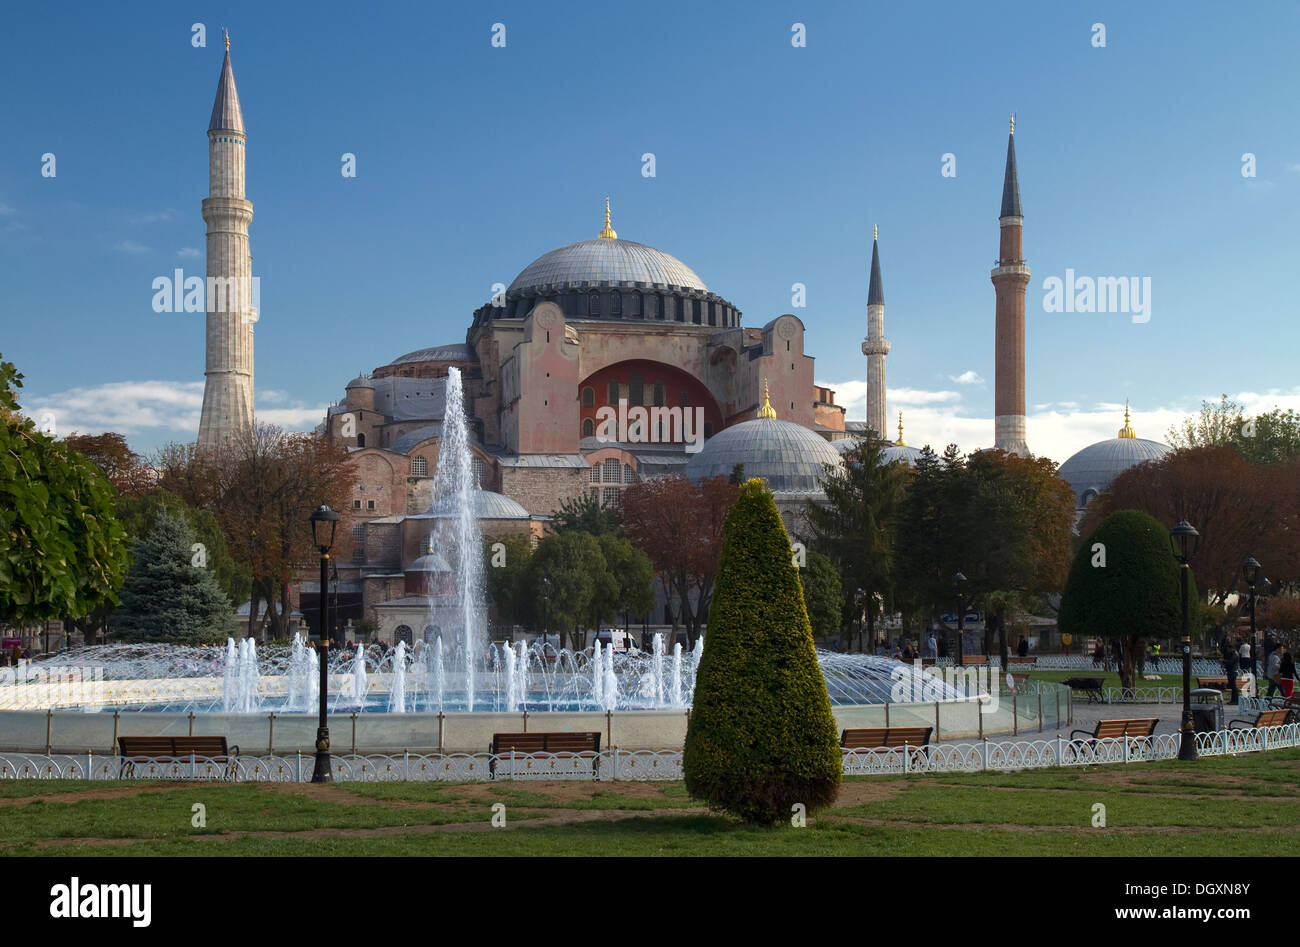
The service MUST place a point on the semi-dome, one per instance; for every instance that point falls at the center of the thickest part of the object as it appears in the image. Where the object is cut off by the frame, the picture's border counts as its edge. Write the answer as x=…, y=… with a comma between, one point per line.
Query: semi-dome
x=486, y=505
x=791, y=458
x=606, y=260
x=1094, y=468
x=361, y=381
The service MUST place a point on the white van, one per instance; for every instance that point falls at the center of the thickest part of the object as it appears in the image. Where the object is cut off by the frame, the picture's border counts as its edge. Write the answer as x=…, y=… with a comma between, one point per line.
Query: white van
x=618, y=637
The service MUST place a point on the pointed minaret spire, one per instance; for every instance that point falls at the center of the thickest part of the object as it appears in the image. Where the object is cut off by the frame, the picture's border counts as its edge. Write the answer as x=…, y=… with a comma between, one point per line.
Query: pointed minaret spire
x=1127, y=429
x=227, y=414
x=1010, y=181
x=900, y=442
x=226, y=115
x=767, y=411
x=608, y=232
x=874, y=347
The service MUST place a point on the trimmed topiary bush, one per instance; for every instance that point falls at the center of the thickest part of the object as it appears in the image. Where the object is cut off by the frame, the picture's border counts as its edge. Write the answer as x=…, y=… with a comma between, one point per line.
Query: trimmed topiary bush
x=761, y=736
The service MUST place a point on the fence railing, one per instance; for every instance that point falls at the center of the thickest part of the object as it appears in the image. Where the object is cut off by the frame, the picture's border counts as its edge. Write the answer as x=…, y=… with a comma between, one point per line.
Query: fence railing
x=616, y=764
x=1143, y=695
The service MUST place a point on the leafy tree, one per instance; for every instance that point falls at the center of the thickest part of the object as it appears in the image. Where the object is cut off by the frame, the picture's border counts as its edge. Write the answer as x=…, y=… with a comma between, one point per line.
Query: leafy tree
x=678, y=524
x=586, y=514
x=1239, y=508
x=61, y=546
x=856, y=526
x=1124, y=584
x=575, y=567
x=822, y=596
x=1268, y=438
x=507, y=588
x=168, y=598
x=125, y=469
x=634, y=576
x=761, y=735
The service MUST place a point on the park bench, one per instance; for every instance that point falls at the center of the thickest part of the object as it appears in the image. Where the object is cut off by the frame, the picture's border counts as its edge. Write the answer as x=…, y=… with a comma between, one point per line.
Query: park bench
x=580, y=745
x=1137, y=728
x=1266, y=718
x=1220, y=683
x=213, y=749
x=886, y=738
x=1091, y=686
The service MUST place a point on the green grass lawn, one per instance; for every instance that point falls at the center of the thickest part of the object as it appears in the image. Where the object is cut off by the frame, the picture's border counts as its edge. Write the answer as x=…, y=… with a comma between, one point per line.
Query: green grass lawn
x=1226, y=806
x=1110, y=678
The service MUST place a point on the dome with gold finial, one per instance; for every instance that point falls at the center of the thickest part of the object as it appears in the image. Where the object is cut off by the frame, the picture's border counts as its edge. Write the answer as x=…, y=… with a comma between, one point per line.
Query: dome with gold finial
x=1093, y=469
x=609, y=278
x=898, y=451
x=791, y=458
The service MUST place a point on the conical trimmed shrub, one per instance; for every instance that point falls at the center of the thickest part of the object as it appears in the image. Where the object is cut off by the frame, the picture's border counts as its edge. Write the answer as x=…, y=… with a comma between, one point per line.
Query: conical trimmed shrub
x=761, y=736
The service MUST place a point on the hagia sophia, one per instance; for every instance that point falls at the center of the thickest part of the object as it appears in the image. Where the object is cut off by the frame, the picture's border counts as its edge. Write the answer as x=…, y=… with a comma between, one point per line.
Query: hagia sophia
x=603, y=323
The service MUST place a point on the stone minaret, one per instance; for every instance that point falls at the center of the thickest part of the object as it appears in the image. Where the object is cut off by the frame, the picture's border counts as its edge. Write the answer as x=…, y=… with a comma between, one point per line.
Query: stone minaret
x=228, y=390
x=1010, y=278
x=875, y=348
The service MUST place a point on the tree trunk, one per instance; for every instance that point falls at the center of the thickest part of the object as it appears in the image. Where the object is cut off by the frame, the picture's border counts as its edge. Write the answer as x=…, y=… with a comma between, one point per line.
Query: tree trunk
x=1129, y=665
x=252, y=609
x=1002, y=642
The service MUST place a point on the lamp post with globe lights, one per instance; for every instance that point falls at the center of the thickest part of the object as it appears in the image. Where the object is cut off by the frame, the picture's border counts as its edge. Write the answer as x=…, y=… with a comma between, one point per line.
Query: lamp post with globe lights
x=323, y=523
x=1250, y=571
x=1183, y=540
x=957, y=581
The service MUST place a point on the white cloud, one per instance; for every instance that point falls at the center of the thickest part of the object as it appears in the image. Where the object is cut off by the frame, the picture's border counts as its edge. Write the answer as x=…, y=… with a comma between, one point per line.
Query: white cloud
x=1294, y=167
x=154, y=217
x=969, y=377
x=1055, y=429
x=6, y=210
x=130, y=246
x=153, y=407
x=188, y=253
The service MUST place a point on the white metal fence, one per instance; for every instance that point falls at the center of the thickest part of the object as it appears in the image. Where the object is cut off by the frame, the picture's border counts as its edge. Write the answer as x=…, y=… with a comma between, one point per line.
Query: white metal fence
x=1002, y=755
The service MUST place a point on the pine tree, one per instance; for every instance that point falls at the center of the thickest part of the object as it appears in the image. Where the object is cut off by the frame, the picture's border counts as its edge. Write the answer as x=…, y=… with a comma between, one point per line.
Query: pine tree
x=761, y=737
x=166, y=596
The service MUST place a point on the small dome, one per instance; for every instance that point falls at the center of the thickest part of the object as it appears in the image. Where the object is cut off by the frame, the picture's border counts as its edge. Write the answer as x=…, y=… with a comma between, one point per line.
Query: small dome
x=891, y=452
x=1094, y=468
x=606, y=260
x=456, y=352
x=429, y=562
x=361, y=381
x=788, y=456
x=486, y=506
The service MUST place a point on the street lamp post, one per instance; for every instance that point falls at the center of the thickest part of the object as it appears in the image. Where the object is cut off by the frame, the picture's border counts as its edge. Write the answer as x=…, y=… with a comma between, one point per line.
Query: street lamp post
x=546, y=607
x=1183, y=540
x=957, y=580
x=324, y=542
x=860, y=601
x=1250, y=569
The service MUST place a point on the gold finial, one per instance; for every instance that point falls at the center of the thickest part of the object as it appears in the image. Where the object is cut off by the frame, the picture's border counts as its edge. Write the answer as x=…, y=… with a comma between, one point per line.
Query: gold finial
x=875, y=231
x=767, y=411
x=900, y=442
x=1127, y=429
x=1013, y=123
x=608, y=232
x=227, y=32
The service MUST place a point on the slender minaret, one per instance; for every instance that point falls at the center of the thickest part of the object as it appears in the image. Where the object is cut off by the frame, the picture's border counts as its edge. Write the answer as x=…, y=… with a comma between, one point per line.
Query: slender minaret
x=228, y=390
x=875, y=348
x=1010, y=278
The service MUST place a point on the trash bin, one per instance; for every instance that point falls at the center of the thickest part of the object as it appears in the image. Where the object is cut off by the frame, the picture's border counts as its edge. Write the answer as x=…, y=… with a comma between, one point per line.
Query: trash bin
x=1207, y=709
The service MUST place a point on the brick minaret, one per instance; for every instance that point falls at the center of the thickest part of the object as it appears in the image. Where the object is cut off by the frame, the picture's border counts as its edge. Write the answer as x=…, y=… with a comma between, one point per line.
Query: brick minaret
x=875, y=348
x=228, y=390
x=1010, y=279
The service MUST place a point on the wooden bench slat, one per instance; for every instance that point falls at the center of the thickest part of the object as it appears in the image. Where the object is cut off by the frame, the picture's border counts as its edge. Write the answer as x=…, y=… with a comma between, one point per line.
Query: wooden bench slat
x=885, y=737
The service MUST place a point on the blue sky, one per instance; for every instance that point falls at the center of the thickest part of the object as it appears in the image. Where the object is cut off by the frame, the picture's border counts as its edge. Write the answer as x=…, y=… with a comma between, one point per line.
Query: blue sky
x=772, y=164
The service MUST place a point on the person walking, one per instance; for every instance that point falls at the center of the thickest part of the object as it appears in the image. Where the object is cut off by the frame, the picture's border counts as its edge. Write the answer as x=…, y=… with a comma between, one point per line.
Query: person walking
x=932, y=646
x=1286, y=672
x=1272, y=670
x=1230, y=669
x=1247, y=659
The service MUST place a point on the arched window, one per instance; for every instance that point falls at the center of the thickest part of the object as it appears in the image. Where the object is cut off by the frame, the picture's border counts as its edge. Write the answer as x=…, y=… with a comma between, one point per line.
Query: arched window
x=419, y=467
x=361, y=440
x=588, y=427
x=616, y=304
x=588, y=397
x=595, y=473
x=593, y=304
x=402, y=633
x=612, y=472
x=629, y=475
x=477, y=472
x=430, y=633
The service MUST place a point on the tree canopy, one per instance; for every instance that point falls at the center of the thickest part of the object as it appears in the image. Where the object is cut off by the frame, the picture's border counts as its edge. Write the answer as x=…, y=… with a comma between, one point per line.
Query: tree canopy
x=62, y=550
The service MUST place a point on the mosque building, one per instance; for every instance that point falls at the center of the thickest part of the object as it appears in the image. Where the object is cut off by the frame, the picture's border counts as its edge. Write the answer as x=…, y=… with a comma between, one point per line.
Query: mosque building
x=604, y=362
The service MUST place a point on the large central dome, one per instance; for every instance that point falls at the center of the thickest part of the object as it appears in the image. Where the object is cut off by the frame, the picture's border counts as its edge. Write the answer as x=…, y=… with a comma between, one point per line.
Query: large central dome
x=606, y=260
